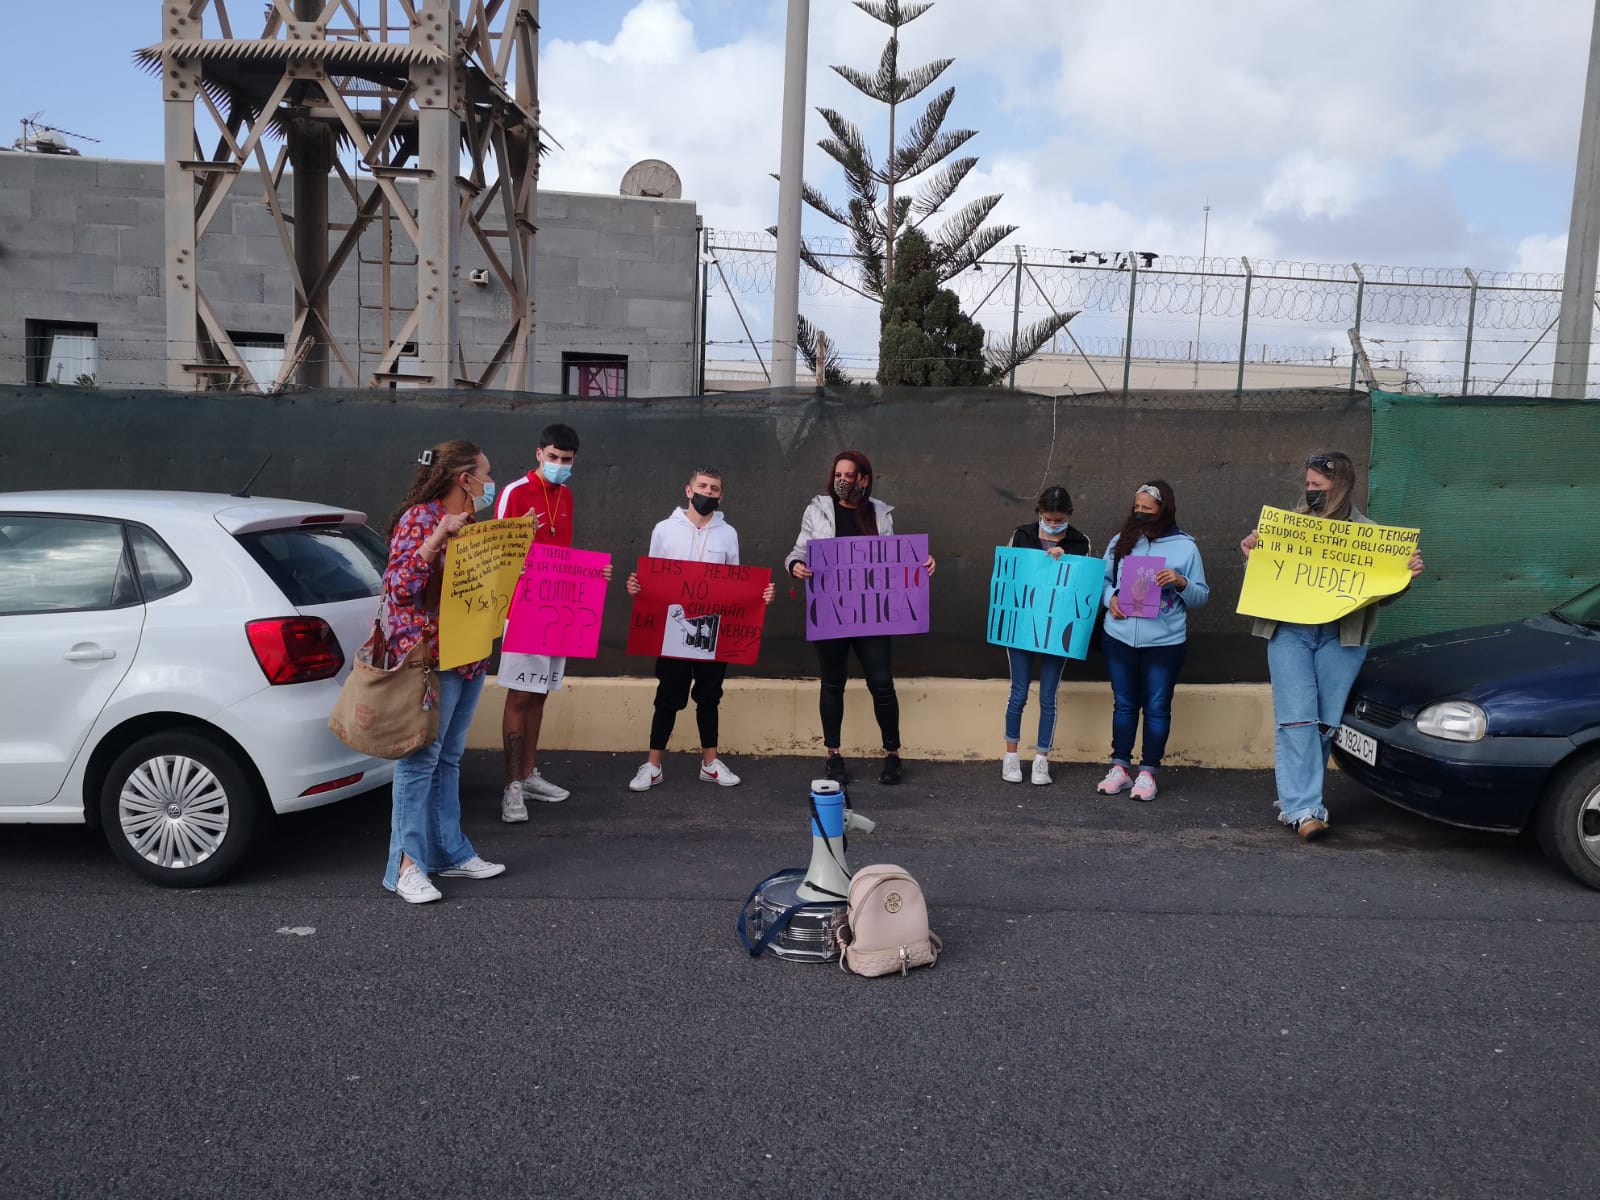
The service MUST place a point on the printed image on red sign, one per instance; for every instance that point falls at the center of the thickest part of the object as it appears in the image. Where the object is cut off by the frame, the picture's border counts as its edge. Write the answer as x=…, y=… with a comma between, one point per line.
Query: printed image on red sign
x=557, y=605
x=709, y=611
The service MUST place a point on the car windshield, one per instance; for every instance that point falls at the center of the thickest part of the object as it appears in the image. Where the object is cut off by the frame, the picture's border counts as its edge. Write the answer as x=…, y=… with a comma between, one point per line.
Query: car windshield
x=1582, y=610
x=320, y=564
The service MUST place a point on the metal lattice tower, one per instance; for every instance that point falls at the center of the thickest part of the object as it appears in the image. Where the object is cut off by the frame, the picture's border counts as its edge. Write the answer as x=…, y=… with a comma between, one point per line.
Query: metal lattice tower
x=438, y=102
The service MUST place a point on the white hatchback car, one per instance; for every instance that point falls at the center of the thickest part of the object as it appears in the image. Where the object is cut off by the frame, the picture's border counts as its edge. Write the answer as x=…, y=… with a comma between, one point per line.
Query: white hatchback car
x=168, y=661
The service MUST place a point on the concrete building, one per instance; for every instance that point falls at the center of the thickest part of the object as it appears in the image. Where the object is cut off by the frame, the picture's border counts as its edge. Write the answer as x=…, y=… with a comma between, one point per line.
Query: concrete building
x=616, y=284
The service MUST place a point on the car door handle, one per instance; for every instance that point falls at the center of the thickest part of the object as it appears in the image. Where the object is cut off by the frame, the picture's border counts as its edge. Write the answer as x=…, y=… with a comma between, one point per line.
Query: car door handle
x=88, y=654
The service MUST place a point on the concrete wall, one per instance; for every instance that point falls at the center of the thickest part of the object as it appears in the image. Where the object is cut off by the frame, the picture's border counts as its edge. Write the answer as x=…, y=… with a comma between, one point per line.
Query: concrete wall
x=81, y=240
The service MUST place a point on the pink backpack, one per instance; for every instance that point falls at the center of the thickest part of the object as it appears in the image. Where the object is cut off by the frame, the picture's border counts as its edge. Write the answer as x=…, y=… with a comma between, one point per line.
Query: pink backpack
x=886, y=929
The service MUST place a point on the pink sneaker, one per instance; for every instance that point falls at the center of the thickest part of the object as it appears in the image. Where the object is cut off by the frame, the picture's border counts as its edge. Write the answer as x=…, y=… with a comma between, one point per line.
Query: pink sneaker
x=1117, y=780
x=1144, y=788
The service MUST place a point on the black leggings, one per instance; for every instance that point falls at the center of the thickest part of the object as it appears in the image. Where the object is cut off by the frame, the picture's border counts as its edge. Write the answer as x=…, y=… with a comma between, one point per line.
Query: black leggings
x=874, y=655
x=672, y=697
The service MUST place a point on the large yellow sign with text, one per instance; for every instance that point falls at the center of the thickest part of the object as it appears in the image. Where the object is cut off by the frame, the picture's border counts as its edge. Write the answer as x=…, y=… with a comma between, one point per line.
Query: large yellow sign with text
x=481, y=567
x=1311, y=570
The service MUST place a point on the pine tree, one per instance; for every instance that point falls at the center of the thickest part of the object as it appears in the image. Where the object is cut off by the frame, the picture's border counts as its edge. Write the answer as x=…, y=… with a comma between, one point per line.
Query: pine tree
x=926, y=340
x=882, y=208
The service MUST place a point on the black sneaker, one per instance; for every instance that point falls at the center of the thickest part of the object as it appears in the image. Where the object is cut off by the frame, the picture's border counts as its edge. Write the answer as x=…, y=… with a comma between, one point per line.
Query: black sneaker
x=891, y=769
x=835, y=769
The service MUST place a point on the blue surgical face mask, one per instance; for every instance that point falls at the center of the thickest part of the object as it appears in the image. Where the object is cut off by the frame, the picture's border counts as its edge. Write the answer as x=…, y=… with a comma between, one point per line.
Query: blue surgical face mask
x=485, y=501
x=1052, y=530
x=556, y=473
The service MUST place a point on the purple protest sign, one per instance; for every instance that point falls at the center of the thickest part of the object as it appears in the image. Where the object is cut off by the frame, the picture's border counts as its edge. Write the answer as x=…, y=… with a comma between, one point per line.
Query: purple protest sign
x=866, y=585
x=1138, y=593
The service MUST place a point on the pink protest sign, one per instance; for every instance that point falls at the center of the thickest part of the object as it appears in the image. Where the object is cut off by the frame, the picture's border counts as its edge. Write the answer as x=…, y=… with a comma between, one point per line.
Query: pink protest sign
x=1138, y=593
x=557, y=605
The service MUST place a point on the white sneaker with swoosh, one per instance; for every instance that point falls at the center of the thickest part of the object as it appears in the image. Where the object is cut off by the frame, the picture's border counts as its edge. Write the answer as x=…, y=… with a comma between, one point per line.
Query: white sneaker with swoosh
x=716, y=771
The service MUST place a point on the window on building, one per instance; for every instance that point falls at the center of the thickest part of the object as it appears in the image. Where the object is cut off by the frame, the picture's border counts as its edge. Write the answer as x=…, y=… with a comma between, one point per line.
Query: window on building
x=262, y=353
x=409, y=363
x=63, y=352
x=594, y=374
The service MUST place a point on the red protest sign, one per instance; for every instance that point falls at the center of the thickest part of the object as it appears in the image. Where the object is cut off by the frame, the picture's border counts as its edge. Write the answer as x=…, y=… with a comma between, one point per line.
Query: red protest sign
x=696, y=610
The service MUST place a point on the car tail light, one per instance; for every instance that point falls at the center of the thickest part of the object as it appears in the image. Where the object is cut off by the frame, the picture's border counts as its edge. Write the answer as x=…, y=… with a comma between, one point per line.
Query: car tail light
x=295, y=649
x=333, y=783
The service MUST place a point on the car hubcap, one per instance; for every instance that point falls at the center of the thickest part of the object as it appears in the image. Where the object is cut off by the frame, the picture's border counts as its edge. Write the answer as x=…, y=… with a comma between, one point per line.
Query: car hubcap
x=173, y=811
x=1589, y=827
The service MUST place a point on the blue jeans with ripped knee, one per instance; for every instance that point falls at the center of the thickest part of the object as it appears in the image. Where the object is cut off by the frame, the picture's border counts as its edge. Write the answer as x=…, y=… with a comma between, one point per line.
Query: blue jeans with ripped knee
x=1311, y=679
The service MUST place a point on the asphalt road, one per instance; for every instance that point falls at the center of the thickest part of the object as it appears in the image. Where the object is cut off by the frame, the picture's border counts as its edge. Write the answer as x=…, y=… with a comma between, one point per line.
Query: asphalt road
x=1177, y=999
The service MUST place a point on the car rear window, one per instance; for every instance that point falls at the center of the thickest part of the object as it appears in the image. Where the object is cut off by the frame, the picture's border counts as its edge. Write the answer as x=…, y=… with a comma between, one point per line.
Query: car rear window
x=320, y=564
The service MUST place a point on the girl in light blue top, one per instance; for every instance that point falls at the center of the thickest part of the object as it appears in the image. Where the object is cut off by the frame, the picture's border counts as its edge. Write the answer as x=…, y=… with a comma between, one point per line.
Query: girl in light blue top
x=1145, y=654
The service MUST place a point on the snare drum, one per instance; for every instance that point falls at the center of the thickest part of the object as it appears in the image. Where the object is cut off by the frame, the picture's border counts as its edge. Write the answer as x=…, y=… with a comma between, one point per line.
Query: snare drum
x=809, y=935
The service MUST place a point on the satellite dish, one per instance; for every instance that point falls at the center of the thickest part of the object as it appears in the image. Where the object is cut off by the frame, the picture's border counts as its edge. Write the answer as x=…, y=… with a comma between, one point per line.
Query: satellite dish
x=652, y=178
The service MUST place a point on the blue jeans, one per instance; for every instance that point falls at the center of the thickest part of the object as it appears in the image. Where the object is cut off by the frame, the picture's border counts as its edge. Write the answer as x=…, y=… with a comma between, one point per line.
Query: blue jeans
x=1311, y=679
x=1142, y=678
x=1050, y=667
x=427, y=788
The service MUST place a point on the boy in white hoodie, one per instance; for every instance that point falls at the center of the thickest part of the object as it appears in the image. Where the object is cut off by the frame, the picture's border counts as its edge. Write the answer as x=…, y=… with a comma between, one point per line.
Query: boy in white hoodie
x=698, y=533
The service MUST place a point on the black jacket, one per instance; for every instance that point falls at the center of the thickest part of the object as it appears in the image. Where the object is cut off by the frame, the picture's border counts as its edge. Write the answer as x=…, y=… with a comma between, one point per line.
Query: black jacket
x=1075, y=541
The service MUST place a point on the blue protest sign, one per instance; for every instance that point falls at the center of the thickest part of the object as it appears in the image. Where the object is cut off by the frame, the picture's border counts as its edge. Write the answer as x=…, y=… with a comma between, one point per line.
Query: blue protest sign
x=1042, y=604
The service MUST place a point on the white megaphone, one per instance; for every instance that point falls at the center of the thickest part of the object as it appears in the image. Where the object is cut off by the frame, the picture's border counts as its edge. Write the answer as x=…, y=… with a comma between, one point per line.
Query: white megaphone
x=828, y=877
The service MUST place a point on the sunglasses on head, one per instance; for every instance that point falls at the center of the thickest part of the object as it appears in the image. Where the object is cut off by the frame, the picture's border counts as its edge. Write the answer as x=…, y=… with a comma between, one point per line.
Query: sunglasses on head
x=1323, y=463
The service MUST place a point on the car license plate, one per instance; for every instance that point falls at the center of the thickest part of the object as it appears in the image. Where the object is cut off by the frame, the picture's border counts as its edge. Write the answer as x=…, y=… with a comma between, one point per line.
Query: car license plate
x=1357, y=745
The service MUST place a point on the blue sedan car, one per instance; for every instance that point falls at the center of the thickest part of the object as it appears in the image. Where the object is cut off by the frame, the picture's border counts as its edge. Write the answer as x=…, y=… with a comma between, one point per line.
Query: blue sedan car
x=1495, y=727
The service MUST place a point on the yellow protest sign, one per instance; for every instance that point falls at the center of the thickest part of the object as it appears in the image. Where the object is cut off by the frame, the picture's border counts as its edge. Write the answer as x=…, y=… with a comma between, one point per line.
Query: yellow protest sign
x=1311, y=570
x=481, y=567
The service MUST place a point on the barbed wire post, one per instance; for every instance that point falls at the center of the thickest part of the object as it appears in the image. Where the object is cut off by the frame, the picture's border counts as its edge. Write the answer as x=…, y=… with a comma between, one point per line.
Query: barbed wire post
x=1472, y=313
x=1016, y=318
x=1127, y=344
x=1361, y=292
x=1244, y=325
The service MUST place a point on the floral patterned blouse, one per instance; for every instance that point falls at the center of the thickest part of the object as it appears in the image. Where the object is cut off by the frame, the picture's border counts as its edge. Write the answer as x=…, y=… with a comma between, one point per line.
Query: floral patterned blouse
x=411, y=586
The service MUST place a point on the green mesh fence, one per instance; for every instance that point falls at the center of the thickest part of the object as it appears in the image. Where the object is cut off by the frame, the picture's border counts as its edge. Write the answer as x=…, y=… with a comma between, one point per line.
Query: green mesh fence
x=1506, y=495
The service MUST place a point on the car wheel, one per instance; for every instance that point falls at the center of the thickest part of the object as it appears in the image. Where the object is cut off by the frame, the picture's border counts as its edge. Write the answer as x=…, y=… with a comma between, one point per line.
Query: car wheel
x=178, y=809
x=1569, y=820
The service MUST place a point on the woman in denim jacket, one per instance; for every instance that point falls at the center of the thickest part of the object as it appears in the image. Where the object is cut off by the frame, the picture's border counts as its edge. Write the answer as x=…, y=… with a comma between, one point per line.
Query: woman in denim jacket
x=1313, y=667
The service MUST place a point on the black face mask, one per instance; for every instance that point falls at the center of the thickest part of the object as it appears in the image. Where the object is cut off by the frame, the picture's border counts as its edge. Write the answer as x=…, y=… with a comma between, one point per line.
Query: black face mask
x=705, y=505
x=1143, y=518
x=1316, y=501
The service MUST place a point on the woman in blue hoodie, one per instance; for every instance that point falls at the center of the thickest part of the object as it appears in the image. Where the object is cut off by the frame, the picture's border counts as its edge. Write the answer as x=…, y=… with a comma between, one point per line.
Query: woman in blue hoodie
x=1145, y=654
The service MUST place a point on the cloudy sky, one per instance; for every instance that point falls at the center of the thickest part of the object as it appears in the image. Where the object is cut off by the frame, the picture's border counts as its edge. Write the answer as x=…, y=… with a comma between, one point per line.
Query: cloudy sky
x=1406, y=132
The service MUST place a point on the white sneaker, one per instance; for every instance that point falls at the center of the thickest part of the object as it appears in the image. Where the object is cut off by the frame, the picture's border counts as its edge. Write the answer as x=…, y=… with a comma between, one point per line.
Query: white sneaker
x=1041, y=769
x=1117, y=780
x=413, y=886
x=1144, y=787
x=537, y=787
x=512, y=809
x=645, y=778
x=476, y=868
x=716, y=771
x=1011, y=767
